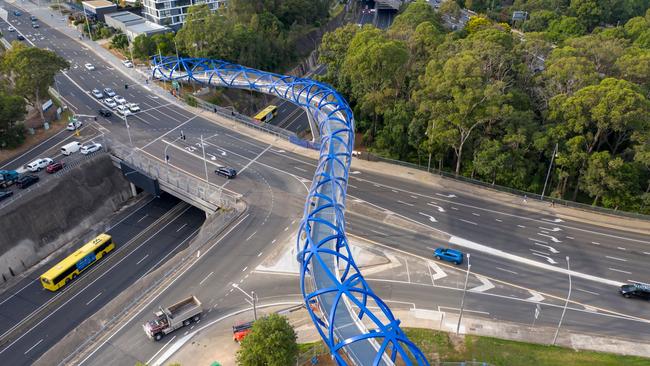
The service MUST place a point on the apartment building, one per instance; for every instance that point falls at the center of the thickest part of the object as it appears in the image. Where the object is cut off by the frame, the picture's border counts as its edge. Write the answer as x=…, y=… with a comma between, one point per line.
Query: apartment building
x=172, y=12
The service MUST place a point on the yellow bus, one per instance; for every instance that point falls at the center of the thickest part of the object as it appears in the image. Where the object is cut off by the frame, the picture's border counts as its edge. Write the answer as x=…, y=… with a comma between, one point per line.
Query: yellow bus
x=72, y=266
x=267, y=114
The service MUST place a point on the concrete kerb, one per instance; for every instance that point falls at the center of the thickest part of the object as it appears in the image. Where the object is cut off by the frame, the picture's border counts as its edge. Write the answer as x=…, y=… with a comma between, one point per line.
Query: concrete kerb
x=79, y=342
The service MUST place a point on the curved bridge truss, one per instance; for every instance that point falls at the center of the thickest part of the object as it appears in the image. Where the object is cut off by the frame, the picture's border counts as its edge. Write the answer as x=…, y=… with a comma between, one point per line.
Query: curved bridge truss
x=356, y=324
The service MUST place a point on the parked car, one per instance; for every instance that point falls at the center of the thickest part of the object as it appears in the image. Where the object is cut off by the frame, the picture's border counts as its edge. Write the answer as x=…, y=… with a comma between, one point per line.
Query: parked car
x=33, y=18
x=109, y=92
x=97, y=94
x=227, y=172
x=35, y=25
x=17, y=13
x=74, y=125
x=20, y=37
x=109, y=102
x=133, y=107
x=39, y=164
x=119, y=99
x=5, y=194
x=55, y=167
x=11, y=29
x=70, y=148
x=26, y=181
x=89, y=66
x=127, y=63
x=105, y=112
x=123, y=110
x=90, y=148
x=449, y=255
x=635, y=290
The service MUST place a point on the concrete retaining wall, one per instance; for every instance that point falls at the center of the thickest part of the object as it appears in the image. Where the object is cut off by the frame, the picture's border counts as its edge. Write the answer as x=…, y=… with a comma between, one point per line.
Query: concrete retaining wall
x=65, y=210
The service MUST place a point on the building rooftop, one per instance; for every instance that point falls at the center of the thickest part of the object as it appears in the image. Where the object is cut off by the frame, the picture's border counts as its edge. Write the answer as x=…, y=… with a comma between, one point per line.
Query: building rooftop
x=96, y=4
x=125, y=17
x=146, y=27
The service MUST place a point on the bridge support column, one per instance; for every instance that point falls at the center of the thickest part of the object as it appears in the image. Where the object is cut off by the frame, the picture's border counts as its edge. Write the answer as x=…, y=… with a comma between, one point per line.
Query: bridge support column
x=313, y=126
x=134, y=191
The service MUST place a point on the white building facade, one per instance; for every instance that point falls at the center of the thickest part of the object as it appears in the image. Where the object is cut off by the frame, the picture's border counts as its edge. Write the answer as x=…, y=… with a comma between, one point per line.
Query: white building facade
x=172, y=13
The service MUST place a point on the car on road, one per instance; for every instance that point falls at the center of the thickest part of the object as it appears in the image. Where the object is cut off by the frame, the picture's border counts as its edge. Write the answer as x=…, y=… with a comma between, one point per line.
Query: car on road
x=11, y=29
x=123, y=110
x=97, y=94
x=5, y=194
x=39, y=164
x=35, y=25
x=20, y=37
x=635, y=290
x=89, y=66
x=109, y=92
x=90, y=148
x=449, y=255
x=119, y=99
x=55, y=167
x=74, y=125
x=33, y=18
x=26, y=181
x=105, y=112
x=133, y=107
x=17, y=13
x=227, y=172
x=109, y=102
x=127, y=63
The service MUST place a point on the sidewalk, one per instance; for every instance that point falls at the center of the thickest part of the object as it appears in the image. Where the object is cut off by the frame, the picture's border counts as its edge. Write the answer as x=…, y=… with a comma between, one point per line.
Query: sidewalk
x=140, y=75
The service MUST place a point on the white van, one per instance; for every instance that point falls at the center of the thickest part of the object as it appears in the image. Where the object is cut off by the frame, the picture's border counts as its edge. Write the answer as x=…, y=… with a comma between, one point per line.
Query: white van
x=70, y=148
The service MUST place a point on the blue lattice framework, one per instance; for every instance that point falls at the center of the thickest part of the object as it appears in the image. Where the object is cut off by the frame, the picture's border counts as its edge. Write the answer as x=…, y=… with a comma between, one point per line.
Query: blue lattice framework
x=329, y=276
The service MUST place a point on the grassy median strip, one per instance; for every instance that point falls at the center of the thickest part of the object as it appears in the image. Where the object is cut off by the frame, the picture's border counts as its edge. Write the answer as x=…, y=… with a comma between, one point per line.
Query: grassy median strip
x=440, y=346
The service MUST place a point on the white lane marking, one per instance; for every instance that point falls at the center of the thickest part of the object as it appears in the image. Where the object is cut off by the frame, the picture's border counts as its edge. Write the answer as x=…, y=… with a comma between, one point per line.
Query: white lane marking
x=446, y=195
x=32, y=347
x=394, y=191
x=570, y=237
x=486, y=285
x=550, y=248
x=408, y=274
x=439, y=273
x=619, y=270
x=589, y=292
x=646, y=253
x=538, y=241
x=350, y=185
x=405, y=203
x=475, y=214
x=554, y=220
x=286, y=228
x=181, y=228
x=469, y=311
x=17, y=292
x=93, y=299
x=143, y=258
x=616, y=258
x=553, y=239
x=506, y=270
x=143, y=217
x=469, y=222
x=260, y=254
x=548, y=259
x=416, y=197
x=498, y=220
x=621, y=248
x=299, y=168
x=540, y=252
x=253, y=234
x=161, y=348
x=547, y=229
x=595, y=243
x=544, y=232
x=440, y=209
x=537, y=297
x=206, y=277
x=521, y=226
x=454, y=208
x=378, y=232
x=431, y=218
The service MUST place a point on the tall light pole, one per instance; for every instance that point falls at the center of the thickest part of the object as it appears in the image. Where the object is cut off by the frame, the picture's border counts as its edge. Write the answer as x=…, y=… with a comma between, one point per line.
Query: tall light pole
x=128, y=129
x=568, y=267
x=549, y=171
x=205, y=162
x=166, y=147
x=462, y=301
x=252, y=297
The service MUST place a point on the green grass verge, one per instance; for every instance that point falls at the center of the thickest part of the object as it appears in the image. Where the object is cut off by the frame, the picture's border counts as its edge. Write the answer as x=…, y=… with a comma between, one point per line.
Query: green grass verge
x=438, y=346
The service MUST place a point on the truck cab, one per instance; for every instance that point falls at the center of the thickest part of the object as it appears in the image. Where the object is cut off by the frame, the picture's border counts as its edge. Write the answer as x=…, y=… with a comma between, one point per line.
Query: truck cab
x=168, y=319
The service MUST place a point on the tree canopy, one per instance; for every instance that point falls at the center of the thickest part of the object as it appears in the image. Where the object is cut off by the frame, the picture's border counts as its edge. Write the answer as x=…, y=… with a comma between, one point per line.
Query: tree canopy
x=271, y=342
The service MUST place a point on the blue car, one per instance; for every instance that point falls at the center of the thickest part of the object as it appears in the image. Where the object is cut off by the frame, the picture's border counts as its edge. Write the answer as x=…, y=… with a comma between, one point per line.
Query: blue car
x=17, y=13
x=449, y=255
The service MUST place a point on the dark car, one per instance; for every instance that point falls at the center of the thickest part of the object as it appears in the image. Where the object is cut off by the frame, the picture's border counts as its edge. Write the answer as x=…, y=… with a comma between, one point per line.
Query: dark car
x=26, y=181
x=5, y=194
x=55, y=167
x=449, y=255
x=20, y=37
x=17, y=13
x=105, y=113
x=635, y=290
x=33, y=18
x=227, y=172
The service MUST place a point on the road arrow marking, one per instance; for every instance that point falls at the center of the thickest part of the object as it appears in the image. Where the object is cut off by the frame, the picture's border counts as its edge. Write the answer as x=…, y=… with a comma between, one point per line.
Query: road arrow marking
x=212, y=157
x=537, y=297
x=550, y=248
x=486, y=284
x=548, y=259
x=355, y=172
x=431, y=218
x=438, y=272
x=440, y=209
x=446, y=195
x=553, y=239
x=555, y=229
x=554, y=220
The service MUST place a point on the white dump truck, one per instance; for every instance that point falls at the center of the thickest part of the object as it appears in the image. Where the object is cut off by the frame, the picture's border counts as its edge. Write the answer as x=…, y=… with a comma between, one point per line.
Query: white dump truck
x=168, y=319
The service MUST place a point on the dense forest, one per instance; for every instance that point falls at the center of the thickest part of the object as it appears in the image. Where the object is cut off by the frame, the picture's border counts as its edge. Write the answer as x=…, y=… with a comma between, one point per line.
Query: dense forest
x=493, y=103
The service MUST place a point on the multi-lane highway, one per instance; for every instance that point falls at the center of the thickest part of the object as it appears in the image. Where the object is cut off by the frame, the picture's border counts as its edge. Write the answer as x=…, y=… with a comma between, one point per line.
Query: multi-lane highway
x=273, y=181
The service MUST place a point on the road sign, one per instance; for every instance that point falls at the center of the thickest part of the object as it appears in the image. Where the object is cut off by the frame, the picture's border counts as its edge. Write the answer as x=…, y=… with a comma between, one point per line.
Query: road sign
x=519, y=15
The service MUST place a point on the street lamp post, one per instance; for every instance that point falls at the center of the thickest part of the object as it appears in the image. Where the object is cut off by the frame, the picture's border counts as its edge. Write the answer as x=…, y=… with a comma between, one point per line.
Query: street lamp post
x=549, y=171
x=205, y=162
x=128, y=129
x=166, y=147
x=252, y=296
x=462, y=301
x=568, y=267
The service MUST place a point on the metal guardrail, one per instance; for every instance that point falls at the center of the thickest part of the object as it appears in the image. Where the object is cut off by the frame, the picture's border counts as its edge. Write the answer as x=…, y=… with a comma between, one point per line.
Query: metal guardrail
x=535, y=196
x=343, y=296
